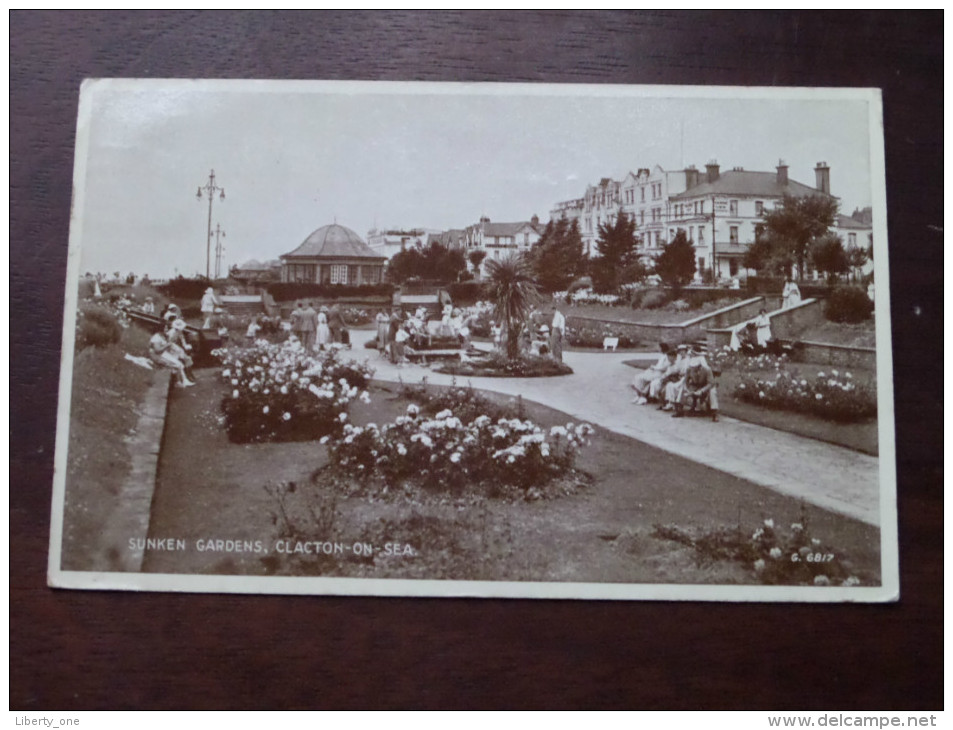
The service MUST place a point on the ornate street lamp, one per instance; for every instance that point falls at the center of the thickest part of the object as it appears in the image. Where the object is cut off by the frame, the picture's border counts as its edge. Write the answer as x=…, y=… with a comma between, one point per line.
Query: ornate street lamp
x=219, y=248
x=210, y=189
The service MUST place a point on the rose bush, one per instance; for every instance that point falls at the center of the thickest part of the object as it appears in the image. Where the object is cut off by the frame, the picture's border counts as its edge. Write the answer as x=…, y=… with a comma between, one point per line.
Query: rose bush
x=833, y=395
x=442, y=452
x=279, y=392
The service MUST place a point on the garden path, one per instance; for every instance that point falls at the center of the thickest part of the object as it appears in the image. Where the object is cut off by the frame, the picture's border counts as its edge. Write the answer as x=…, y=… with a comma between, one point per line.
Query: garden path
x=826, y=475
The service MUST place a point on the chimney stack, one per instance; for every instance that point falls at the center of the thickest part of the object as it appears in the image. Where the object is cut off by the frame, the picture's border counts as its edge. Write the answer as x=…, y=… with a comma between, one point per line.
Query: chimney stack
x=782, y=173
x=691, y=177
x=823, y=174
x=534, y=220
x=712, y=168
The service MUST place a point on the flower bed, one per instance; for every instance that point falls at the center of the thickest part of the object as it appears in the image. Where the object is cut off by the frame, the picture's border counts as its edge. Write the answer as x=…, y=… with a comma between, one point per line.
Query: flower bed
x=281, y=393
x=444, y=453
x=592, y=335
x=497, y=365
x=833, y=396
x=775, y=556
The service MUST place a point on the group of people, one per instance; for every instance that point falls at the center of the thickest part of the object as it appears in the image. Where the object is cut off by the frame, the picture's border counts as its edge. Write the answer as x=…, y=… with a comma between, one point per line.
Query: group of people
x=396, y=329
x=318, y=329
x=170, y=347
x=543, y=334
x=681, y=380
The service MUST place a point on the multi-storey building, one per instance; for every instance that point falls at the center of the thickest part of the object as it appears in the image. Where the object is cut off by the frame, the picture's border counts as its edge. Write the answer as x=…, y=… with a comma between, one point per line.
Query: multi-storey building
x=721, y=213
x=387, y=242
x=499, y=240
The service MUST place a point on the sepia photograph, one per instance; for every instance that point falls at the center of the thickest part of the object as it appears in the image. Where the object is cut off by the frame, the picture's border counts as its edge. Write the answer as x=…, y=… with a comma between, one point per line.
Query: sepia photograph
x=477, y=339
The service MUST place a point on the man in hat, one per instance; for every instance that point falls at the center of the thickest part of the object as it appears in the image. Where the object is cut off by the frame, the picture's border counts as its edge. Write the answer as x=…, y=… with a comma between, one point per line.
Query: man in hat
x=699, y=387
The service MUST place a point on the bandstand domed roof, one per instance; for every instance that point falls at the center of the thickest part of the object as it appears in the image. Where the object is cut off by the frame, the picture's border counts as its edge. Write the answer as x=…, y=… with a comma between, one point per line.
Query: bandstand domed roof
x=333, y=241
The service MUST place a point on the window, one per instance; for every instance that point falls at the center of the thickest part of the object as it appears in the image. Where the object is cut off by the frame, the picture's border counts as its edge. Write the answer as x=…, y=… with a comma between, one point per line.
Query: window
x=701, y=264
x=758, y=232
x=759, y=207
x=641, y=217
x=732, y=267
x=643, y=193
x=733, y=207
x=701, y=235
x=851, y=239
x=338, y=274
x=733, y=234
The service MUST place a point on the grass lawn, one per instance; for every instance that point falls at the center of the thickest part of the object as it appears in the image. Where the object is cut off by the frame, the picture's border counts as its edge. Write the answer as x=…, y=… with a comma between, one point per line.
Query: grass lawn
x=861, y=334
x=601, y=531
x=663, y=315
x=107, y=392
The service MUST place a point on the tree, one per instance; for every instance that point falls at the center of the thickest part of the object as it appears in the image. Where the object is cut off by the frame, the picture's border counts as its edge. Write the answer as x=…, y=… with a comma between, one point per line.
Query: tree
x=476, y=258
x=767, y=257
x=435, y=261
x=676, y=264
x=856, y=258
x=829, y=256
x=513, y=292
x=793, y=226
x=558, y=258
x=617, y=253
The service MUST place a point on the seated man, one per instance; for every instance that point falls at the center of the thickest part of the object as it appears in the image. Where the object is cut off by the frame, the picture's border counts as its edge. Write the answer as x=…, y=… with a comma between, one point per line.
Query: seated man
x=699, y=387
x=642, y=382
x=674, y=380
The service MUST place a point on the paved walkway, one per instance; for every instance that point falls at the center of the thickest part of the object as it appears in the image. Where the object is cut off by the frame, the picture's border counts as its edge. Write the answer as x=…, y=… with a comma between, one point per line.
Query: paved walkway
x=829, y=476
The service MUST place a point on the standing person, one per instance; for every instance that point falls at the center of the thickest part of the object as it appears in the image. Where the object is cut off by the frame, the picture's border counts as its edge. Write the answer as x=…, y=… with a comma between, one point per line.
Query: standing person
x=557, y=335
x=392, y=329
x=791, y=294
x=322, y=330
x=383, y=325
x=297, y=322
x=208, y=307
x=309, y=323
x=335, y=322
x=763, y=323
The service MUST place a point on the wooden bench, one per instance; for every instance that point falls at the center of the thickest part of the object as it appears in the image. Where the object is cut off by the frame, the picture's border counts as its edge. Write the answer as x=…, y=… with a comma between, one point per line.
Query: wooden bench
x=411, y=353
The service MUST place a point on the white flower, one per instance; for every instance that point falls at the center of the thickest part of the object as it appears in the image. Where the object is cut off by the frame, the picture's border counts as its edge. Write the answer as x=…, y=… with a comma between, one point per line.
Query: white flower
x=851, y=581
x=324, y=439
x=821, y=580
x=818, y=396
x=769, y=523
x=455, y=457
x=284, y=390
x=234, y=381
x=401, y=449
x=413, y=409
x=775, y=552
x=226, y=373
x=365, y=398
x=444, y=414
x=757, y=533
x=821, y=375
x=797, y=526
x=557, y=431
x=235, y=393
x=759, y=565
x=265, y=409
x=286, y=416
x=342, y=417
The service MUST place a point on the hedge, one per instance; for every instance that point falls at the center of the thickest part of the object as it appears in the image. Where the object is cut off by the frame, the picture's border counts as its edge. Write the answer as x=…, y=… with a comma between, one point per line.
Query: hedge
x=284, y=291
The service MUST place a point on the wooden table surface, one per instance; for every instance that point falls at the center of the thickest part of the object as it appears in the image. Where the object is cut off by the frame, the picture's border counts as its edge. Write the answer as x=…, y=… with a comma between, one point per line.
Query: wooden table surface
x=85, y=650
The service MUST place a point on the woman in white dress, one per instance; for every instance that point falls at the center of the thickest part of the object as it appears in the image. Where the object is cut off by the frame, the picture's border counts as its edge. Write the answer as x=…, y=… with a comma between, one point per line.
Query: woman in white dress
x=763, y=322
x=324, y=332
x=791, y=293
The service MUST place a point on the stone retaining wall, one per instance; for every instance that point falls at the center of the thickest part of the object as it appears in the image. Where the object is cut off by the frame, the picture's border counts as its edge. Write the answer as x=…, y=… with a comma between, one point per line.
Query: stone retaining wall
x=822, y=353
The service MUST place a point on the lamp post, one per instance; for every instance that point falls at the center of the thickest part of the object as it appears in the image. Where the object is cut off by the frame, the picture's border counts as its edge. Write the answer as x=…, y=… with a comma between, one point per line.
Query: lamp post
x=210, y=189
x=219, y=235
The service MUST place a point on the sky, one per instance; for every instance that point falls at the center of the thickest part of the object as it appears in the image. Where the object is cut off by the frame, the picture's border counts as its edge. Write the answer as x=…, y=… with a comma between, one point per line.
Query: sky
x=294, y=156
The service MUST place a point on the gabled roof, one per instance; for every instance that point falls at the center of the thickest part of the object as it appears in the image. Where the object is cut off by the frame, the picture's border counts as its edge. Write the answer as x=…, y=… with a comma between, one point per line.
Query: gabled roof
x=507, y=229
x=333, y=241
x=744, y=182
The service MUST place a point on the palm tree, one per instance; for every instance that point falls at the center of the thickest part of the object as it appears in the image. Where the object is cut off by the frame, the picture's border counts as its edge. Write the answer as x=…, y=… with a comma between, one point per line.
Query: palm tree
x=513, y=291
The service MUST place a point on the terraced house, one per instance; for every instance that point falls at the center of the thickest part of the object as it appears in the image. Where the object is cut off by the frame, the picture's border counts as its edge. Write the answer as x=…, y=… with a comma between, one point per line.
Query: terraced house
x=499, y=240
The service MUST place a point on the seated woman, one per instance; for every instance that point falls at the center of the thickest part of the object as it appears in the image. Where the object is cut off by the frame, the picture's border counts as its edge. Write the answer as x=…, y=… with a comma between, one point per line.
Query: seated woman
x=699, y=389
x=161, y=353
x=643, y=380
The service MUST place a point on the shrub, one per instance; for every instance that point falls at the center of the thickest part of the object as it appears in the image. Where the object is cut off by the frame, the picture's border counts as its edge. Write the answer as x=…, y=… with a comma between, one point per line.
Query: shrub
x=466, y=403
x=497, y=364
x=680, y=305
x=282, y=393
x=182, y=288
x=443, y=452
x=464, y=293
x=654, y=299
x=284, y=291
x=848, y=304
x=96, y=326
x=582, y=333
x=773, y=555
x=833, y=396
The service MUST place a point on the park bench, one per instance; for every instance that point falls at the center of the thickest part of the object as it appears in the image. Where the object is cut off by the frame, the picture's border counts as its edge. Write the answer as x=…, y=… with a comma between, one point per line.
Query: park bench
x=610, y=343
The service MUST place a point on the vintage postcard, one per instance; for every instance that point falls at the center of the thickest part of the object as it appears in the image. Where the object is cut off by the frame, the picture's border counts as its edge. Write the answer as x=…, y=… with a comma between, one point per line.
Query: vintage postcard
x=490, y=340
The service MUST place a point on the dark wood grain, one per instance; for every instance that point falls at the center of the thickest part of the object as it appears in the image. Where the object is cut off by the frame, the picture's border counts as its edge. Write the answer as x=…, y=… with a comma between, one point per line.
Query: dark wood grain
x=112, y=650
